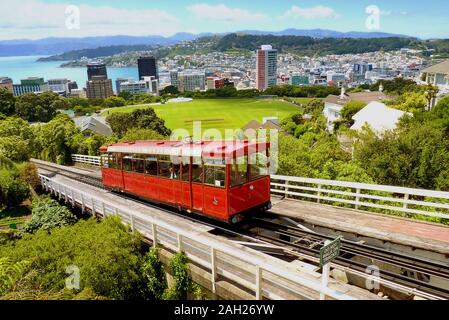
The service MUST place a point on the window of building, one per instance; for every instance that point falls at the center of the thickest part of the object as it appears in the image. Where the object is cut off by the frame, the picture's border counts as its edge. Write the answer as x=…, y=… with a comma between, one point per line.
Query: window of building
x=127, y=162
x=258, y=165
x=151, y=165
x=239, y=171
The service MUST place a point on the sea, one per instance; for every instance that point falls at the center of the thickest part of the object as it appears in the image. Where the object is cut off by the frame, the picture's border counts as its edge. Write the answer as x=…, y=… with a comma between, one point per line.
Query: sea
x=18, y=68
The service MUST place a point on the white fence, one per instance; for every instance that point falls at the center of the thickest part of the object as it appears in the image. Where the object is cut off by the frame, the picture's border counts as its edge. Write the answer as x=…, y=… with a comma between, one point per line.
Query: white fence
x=361, y=196
x=266, y=279
x=92, y=160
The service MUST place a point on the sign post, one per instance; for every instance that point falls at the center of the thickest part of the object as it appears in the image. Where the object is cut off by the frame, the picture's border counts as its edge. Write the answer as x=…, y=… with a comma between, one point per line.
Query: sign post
x=328, y=252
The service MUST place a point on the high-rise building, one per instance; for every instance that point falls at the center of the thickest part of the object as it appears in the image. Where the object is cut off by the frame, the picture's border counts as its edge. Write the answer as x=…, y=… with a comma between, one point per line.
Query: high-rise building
x=266, y=67
x=96, y=69
x=147, y=67
x=6, y=83
x=99, y=88
x=98, y=85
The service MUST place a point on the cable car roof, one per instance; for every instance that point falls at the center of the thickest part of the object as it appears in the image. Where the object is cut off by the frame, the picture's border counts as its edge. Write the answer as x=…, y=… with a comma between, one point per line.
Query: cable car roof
x=205, y=149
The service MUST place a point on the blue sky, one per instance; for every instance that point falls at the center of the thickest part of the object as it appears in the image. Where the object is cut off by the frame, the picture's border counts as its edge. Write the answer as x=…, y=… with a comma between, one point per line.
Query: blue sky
x=42, y=18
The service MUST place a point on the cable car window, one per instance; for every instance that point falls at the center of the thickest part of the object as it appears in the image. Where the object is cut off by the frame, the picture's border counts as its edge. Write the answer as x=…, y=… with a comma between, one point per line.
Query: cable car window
x=258, y=165
x=215, y=175
x=151, y=165
x=239, y=171
x=197, y=170
x=112, y=161
x=176, y=171
x=127, y=162
x=164, y=167
x=185, y=169
x=138, y=164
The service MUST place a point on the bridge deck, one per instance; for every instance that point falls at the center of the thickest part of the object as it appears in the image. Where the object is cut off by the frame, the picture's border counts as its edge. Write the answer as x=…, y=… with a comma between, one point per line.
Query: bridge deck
x=413, y=233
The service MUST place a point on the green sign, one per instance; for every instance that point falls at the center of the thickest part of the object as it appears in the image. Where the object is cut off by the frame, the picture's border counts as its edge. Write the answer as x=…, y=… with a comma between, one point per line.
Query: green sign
x=330, y=251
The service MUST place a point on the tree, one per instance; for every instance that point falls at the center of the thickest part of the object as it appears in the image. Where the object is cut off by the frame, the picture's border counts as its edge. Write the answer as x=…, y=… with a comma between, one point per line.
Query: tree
x=55, y=140
x=37, y=108
x=13, y=191
x=154, y=274
x=169, y=90
x=141, y=118
x=113, y=102
x=29, y=174
x=135, y=134
x=349, y=110
x=7, y=102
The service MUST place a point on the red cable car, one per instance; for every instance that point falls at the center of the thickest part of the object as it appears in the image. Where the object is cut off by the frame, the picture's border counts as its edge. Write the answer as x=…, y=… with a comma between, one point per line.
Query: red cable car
x=219, y=179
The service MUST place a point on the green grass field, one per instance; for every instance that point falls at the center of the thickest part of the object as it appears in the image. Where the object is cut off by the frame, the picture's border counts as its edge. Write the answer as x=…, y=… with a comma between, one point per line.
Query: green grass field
x=220, y=114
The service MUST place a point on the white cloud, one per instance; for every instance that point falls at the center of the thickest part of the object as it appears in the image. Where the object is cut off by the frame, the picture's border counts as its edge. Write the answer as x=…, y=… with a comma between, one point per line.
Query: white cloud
x=318, y=12
x=221, y=12
x=35, y=19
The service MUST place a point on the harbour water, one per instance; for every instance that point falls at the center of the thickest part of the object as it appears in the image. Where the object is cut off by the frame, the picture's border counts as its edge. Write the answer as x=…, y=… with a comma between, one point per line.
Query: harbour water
x=18, y=68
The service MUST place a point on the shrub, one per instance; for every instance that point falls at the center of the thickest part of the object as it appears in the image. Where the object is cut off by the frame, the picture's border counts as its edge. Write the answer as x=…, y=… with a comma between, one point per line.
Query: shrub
x=47, y=215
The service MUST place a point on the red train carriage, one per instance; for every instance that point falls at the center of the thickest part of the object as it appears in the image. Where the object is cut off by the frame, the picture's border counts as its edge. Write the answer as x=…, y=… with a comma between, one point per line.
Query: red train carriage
x=219, y=179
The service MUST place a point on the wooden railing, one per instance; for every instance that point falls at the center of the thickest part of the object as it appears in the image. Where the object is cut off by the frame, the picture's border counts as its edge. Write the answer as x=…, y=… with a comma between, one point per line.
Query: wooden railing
x=360, y=196
x=266, y=279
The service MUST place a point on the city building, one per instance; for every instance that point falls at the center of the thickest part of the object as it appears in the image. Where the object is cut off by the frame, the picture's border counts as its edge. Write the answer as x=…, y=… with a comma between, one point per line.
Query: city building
x=148, y=85
x=99, y=88
x=6, y=83
x=190, y=80
x=30, y=85
x=97, y=70
x=93, y=124
x=98, y=85
x=437, y=75
x=266, y=67
x=362, y=68
x=60, y=86
x=299, y=80
x=78, y=93
x=333, y=104
x=215, y=83
x=118, y=84
x=147, y=67
x=378, y=116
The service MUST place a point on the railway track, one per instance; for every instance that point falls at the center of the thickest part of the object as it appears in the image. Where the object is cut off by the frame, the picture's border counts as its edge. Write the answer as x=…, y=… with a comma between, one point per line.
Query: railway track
x=305, y=245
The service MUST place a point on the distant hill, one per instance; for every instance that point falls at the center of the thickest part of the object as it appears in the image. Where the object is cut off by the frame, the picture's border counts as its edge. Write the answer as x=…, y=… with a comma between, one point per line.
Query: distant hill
x=324, y=33
x=315, y=46
x=53, y=46
x=301, y=45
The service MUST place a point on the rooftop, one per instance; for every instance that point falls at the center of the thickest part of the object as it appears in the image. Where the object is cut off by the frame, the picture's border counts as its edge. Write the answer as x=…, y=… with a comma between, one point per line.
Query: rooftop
x=442, y=68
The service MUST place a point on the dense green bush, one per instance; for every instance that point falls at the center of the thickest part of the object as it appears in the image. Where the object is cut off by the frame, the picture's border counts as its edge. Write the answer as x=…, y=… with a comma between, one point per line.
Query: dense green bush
x=106, y=253
x=47, y=215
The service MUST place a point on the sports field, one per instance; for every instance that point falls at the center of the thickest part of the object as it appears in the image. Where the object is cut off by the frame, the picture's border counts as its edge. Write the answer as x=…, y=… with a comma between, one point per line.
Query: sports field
x=220, y=114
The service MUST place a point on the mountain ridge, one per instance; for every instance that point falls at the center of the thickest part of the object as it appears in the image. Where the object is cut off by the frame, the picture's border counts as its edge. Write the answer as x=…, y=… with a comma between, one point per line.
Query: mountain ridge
x=58, y=45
